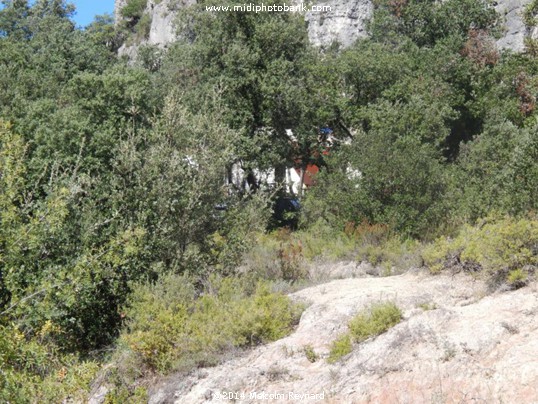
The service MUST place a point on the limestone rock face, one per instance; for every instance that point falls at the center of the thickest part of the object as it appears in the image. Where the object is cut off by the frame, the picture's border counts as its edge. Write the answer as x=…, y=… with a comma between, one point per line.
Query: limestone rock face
x=343, y=21
x=162, y=31
x=514, y=29
x=162, y=23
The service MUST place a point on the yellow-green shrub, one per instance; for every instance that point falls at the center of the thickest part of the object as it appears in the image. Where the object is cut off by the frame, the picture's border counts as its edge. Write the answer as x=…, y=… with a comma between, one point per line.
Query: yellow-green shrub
x=340, y=347
x=32, y=370
x=496, y=246
x=436, y=254
x=378, y=319
x=368, y=323
x=169, y=328
x=516, y=277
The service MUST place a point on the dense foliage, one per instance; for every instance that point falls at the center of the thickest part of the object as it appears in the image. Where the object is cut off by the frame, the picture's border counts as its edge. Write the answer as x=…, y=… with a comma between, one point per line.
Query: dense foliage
x=110, y=171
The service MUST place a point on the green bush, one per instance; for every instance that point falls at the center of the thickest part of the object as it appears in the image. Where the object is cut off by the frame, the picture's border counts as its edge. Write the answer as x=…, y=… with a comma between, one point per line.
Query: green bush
x=499, y=248
x=170, y=329
x=369, y=323
x=340, y=348
x=134, y=9
x=378, y=319
x=34, y=370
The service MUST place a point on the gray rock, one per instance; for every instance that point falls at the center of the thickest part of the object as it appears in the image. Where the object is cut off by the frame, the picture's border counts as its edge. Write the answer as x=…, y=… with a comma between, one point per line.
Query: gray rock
x=514, y=29
x=162, y=23
x=162, y=31
x=99, y=396
x=484, y=351
x=344, y=21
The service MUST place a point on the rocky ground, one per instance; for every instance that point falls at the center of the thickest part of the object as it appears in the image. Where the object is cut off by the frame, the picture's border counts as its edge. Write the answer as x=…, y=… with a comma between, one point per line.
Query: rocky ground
x=457, y=343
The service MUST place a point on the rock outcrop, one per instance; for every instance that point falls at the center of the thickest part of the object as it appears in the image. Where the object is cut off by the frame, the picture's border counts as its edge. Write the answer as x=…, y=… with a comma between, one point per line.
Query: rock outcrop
x=343, y=21
x=162, y=14
x=455, y=344
x=515, y=30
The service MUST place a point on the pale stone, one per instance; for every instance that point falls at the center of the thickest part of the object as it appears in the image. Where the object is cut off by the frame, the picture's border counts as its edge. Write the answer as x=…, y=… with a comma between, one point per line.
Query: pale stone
x=344, y=22
x=456, y=343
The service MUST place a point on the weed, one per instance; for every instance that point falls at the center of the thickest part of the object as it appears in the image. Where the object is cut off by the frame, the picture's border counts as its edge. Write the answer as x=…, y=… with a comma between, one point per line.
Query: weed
x=375, y=321
x=510, y=328
x=449, y=352
x=310, y=354
x=392, y=253
x=340, y=347
x=275, y=373
x=427, y=306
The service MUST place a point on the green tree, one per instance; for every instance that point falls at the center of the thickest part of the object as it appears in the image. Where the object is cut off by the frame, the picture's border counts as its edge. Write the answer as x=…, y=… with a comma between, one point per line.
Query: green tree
x=269, y=77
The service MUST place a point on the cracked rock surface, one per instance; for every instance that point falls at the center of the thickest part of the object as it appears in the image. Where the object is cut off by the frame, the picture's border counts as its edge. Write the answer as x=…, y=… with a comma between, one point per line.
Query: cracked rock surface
x=455, y=344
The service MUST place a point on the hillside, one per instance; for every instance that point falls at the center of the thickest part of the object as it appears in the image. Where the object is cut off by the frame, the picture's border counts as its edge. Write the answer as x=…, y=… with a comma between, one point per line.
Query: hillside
x=166, y=211
x=454, y=344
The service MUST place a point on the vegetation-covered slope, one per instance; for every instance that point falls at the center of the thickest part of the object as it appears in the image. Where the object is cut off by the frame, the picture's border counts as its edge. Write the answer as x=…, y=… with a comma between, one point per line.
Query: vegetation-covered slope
x=110, y=173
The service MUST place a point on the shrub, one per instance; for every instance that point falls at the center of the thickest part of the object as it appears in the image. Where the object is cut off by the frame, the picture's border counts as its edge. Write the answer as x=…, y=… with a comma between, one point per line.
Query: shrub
x=339, y=348
x=403, y=254
x=310, y=354
x=375, y=321
x=170, y=329
x=276, y=256
x=285, y=255
x=33, y=370
x=436, y=255
x=497, y=247
x=368, y=323
x=143, y=27
x=368, y=233
x=323, y=241
x=427, y=306
x=529, y=14
x=516, y=277
x=134, y=9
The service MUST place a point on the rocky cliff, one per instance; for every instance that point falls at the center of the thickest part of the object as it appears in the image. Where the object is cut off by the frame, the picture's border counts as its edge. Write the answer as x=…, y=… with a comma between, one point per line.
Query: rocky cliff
x=343, y=21
x=515, y=30
x=162, y=14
